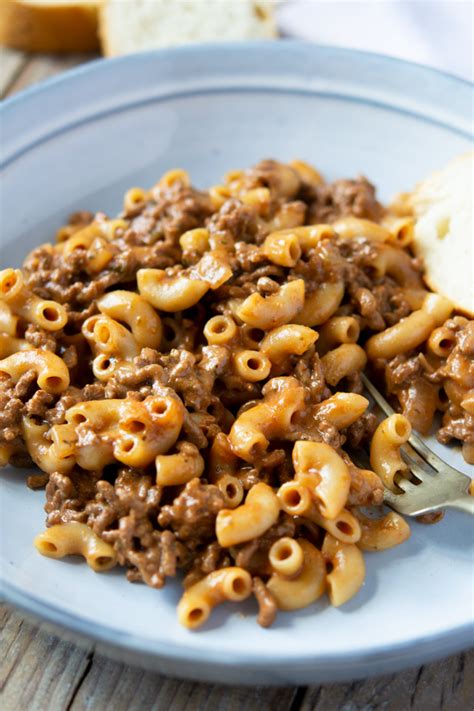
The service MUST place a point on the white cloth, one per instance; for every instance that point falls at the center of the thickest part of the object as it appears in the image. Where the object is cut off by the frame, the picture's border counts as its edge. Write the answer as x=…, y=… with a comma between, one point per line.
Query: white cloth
x=438, y=33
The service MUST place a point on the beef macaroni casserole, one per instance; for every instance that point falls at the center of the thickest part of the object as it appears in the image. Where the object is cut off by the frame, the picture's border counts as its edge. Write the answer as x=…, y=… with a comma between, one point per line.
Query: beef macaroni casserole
x=186, y=376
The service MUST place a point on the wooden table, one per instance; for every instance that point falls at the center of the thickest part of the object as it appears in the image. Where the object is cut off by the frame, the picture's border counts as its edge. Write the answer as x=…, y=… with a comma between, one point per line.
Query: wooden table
x=42, y=672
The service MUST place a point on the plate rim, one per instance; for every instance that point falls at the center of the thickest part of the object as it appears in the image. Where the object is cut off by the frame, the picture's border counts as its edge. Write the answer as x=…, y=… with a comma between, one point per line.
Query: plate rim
x=193, y=47
x=367, y=662
x=414, y=102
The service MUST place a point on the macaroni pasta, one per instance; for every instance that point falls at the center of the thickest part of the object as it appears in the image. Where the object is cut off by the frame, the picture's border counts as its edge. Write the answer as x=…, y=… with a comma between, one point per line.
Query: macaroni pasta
x=186, y=375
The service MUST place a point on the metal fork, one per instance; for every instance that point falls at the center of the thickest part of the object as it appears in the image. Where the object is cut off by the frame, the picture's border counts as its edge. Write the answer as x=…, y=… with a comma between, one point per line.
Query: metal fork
x=433, y=492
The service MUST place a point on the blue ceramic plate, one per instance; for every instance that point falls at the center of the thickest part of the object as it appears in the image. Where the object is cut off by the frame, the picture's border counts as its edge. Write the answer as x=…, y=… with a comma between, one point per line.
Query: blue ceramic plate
x=78, y=142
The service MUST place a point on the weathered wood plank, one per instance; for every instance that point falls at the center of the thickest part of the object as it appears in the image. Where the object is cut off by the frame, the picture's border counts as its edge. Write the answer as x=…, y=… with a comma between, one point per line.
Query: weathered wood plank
x=38, y=671
x=443, y=686
x=44, y=66
x=123, y=688
x=11, y=64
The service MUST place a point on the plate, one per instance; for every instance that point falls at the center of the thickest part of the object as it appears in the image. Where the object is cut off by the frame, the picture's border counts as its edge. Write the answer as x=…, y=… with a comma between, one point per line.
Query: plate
x=80, y=141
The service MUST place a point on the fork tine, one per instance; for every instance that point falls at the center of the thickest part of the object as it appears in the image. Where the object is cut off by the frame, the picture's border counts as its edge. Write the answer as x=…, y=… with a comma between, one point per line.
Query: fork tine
x=433, y=492
x=416, y=442
x=420, y=471
x=406, y=485
x=378, y=397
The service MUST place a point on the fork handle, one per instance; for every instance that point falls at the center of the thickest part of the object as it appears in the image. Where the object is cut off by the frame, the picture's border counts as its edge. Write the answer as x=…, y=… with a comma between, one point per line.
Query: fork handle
x=465, y=503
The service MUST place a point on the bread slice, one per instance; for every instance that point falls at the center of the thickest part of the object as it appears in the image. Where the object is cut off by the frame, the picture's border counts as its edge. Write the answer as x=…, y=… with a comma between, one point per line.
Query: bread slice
x=443, y=206
x=147, y=24
x=50, y=25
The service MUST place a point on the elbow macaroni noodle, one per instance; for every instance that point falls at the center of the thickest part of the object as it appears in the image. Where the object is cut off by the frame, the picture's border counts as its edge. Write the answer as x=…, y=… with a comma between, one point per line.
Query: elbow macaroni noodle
x=251, y=519
x=23, y=303
x=274, y=310
x=50, y=371
x=190, y=385
x=228, y=584
x=385, y=457
x=76, y=539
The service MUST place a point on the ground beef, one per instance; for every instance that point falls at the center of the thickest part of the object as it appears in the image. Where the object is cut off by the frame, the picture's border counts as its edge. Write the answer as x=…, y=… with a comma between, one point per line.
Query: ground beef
x=81, y=218
x=39, y=404
x=11, y=411
x=37, y=481
x=212, y=557
x=253, y=556
x=124, y=514
x=344, y=197
x=192, y=514
x=249, y=476
x=360, y=433
x=25, y=384
x=234, y=222
x=50, y=275
x=379, y=301
x=308, y=370
x=67, y=496
x=41, y=339
x=191, y=376
x=151, y=553
x=145, y=378
x=267, y=607
x=402, y=369
x=65, y=278
x=457, y=424
x=429, y=518
x=200, y=428
x=465, y=336
x=130, y=491
x=245, y=282
x=365, y=303
x=316, y=428
x=193, y=384
x=13, y=406
x=214, y=362
x=179, y=208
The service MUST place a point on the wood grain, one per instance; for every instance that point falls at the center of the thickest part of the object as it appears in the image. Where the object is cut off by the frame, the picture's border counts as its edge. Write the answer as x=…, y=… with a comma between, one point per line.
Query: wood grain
x=42, y=67
x=443, y=686
x=11, y=64
x=123, y=688
x=40, y=672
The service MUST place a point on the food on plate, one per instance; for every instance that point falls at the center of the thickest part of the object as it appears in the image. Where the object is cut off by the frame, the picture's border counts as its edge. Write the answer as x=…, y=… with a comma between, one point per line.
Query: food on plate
x=50, y=25
x=443, y=206
x=186, y=376
x=150, y=25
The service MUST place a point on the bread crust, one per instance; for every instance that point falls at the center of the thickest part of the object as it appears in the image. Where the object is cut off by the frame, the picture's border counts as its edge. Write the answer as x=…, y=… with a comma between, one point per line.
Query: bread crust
x=47, y=27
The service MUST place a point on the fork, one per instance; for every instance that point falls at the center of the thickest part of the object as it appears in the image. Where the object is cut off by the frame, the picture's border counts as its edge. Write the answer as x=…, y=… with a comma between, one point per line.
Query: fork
x=433, y=492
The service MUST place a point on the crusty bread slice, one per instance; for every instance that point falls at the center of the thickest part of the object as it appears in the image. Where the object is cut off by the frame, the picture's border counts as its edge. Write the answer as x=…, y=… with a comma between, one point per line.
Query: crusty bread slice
x=50, y=25
x=147, y=24
x=443, y=205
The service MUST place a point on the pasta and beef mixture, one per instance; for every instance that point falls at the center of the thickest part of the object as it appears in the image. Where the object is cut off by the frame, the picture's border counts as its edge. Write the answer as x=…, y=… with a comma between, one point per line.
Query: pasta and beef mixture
x=187, y=378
